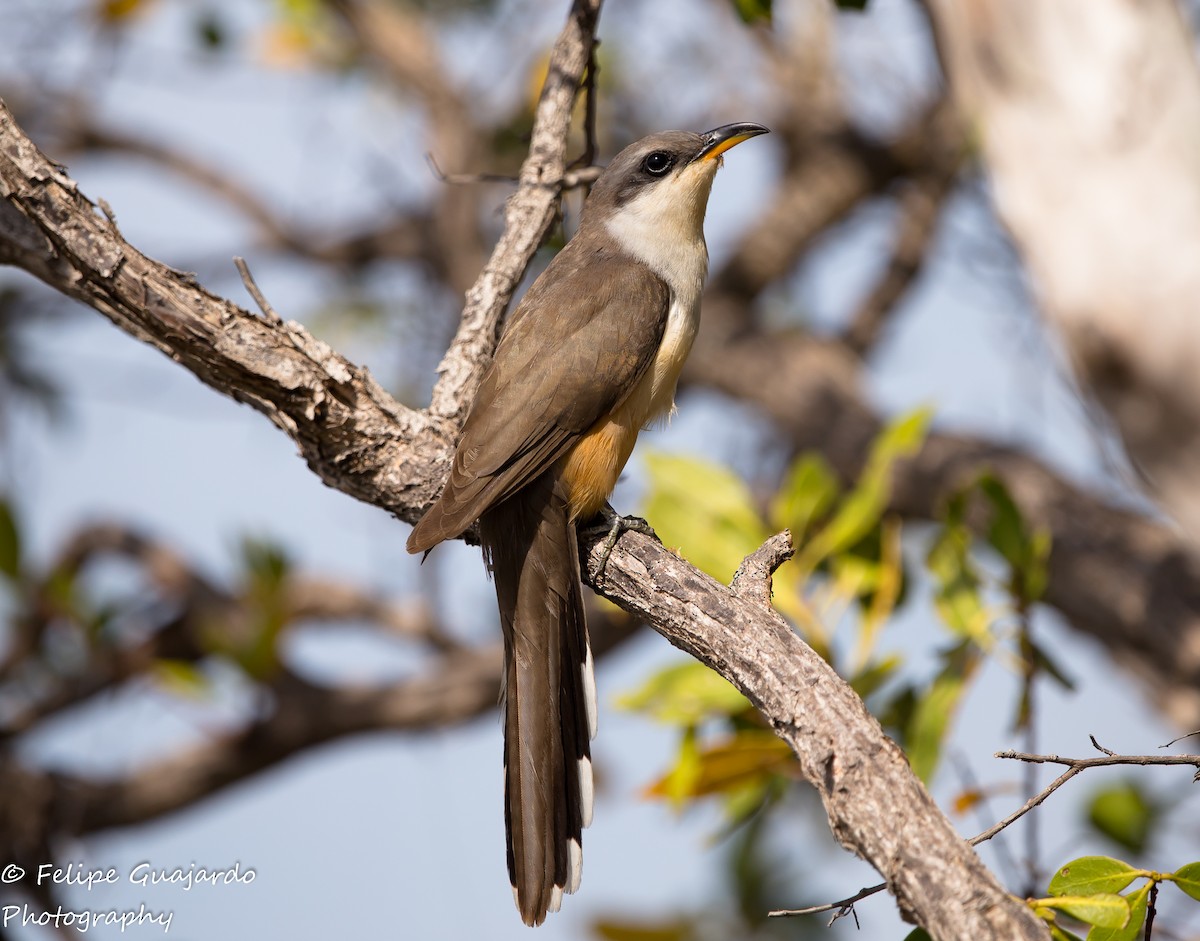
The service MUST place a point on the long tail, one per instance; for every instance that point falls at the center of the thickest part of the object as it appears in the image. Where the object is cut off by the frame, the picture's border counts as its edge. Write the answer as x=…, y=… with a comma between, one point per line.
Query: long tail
x=550, y=695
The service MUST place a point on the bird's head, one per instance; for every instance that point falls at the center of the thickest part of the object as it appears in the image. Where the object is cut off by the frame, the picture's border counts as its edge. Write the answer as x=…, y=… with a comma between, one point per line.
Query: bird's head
x=655, y=191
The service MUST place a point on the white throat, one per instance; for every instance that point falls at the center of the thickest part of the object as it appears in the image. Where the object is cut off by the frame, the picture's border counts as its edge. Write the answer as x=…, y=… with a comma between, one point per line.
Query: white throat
x=663, y=227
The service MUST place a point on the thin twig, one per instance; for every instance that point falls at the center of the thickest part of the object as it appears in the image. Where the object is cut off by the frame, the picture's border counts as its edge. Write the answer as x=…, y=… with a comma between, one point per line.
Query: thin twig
x=1027, y=722
x=466, y=179
x=983, y=808
x=1026, y=807
x=1151, y=902
x=1099, y=747
x=843, y=906
x=590, y=147
x=259, y=298
x=585, y=175
x=1074, y=766
x=1084, y=763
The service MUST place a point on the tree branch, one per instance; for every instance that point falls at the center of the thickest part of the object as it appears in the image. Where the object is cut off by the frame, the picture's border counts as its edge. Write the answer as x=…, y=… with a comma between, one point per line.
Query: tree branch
x=527, y=218
x=862, y=776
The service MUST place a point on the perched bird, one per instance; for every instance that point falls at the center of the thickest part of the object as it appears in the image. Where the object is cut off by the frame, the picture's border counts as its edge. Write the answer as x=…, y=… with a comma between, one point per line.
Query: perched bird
x=589, y=358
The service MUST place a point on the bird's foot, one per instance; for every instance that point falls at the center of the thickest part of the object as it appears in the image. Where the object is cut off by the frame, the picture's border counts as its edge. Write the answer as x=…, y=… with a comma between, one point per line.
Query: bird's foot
x=612, y=525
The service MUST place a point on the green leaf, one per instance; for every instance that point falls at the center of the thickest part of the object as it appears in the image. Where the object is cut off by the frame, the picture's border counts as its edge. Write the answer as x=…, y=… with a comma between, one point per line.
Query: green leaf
x=861, y=510
x=902, y=438
x=918, y=934
x=809, y=489
x=1125, y=814
x=855, y=6
x=1188, y=879
x=704, y=508
x=1133, y=928
x=1006, y=534
x=1047, y=665
x=1088, y=875
x=10, y=542
x=936, y=708
x=1025, y=550
x=266, y=562
x=1103, y=909
x=1058, y=933
x=958, y=599
x=686, y=694
x=753, y=11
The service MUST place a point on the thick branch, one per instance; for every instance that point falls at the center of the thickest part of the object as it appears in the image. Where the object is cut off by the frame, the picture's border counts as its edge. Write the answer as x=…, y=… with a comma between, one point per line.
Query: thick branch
x=876, y=806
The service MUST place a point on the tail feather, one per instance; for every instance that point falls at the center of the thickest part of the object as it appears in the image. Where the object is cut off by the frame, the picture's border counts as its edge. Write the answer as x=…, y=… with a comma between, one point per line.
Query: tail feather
x=549, y=711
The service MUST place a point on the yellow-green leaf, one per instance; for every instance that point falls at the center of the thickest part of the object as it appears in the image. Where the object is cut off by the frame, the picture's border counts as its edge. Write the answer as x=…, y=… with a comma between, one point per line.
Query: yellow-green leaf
x=705, y=509
x=685, y=694
x=1133, y=928
x=1088, y=875
x=935, y=709
x=809, y=489
x=1102, y=909
x=862, y=508
x=182, y=677
x=753, y=11
x=679, y=783
x=1188, y=879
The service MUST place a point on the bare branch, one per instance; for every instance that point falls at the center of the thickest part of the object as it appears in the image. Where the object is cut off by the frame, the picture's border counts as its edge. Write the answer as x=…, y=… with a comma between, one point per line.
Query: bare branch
x=253, y=289
x=1108, y=760
x=354, y=435
x=1076, y=766
x=841, y=906
x=528, y=216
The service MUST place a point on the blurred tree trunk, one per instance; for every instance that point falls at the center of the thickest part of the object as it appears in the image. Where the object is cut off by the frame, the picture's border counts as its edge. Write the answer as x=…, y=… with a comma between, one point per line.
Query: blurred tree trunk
x=1087, y=113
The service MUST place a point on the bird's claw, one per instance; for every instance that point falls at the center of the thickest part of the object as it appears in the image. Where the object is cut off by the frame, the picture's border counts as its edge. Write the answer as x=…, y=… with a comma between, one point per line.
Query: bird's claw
x=613, y=525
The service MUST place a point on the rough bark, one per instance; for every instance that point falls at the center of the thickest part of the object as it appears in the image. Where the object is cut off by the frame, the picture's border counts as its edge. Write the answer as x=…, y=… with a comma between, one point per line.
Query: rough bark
x=876, y=806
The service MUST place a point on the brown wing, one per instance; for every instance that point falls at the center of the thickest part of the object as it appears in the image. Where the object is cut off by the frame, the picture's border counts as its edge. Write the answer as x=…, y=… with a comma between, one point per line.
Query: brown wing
x=575, y=347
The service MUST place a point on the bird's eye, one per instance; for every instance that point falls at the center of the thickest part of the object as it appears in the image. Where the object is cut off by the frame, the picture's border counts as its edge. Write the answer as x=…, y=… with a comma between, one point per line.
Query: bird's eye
x=658, y=163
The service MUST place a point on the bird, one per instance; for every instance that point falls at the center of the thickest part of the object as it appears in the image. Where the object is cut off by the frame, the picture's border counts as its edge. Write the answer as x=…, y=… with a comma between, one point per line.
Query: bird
x=590, y=357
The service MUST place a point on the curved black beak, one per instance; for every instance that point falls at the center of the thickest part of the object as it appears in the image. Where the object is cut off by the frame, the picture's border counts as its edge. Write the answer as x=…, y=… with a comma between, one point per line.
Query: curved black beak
x=720, y=139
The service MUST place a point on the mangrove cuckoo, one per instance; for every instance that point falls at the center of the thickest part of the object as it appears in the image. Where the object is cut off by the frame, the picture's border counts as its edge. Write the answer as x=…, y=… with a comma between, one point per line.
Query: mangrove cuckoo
x=589, y=358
